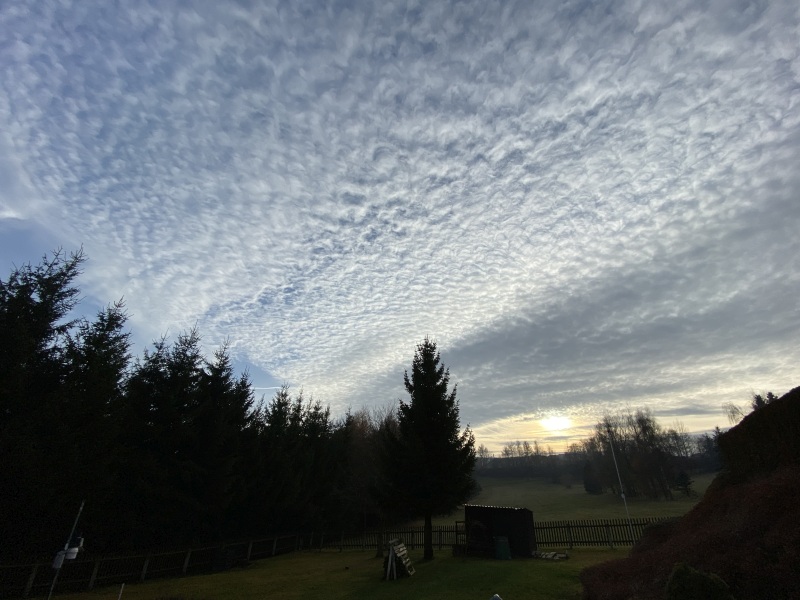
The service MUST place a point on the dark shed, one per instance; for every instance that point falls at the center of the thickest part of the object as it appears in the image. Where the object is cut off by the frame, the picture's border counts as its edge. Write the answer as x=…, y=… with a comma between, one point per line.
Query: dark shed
x=484, y=523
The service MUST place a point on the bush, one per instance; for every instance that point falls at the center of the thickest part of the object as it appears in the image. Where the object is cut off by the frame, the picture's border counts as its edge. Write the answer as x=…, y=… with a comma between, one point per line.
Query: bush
x=686, y=583
x=765, y=440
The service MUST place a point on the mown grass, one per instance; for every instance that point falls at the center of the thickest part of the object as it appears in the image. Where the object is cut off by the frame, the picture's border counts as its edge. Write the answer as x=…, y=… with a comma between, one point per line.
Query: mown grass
x=344, y=575
x=555, y=502
x=354, y=574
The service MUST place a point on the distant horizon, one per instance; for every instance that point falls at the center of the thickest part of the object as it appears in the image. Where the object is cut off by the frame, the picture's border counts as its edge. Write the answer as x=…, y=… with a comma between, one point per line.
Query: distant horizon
x=495, y=435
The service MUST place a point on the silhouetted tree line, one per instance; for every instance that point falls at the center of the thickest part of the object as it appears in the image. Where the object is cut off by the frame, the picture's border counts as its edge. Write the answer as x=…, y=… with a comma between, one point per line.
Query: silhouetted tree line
x=170, y=448
x=522, y=459
x=653, y=461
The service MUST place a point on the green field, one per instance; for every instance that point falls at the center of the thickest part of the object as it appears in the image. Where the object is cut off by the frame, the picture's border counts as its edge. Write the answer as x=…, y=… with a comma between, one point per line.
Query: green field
x=554, y=502
x=354, y=574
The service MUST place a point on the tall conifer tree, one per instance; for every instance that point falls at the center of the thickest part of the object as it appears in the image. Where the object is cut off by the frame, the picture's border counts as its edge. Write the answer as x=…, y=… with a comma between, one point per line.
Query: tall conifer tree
x=431, y=458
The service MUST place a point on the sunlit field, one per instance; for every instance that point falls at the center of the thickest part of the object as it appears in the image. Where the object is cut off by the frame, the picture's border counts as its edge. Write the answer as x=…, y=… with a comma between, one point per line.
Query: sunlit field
x=553, y=502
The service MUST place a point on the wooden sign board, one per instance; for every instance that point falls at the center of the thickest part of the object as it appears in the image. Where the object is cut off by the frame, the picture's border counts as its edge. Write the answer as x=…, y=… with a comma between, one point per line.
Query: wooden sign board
x=397, y=550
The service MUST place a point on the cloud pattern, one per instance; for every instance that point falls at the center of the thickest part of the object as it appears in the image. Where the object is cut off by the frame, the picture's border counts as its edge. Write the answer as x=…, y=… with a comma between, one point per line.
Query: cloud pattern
x=587, y=205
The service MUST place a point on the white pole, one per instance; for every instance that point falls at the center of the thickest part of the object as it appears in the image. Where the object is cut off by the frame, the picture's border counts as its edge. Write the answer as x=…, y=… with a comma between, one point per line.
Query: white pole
x=66, y=547
x=120, y=591
x=621, y=489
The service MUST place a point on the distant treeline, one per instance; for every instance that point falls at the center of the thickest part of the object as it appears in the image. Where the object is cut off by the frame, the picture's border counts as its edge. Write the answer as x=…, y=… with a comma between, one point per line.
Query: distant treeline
x=168, y=449
x=172, y=449
x=653, y=461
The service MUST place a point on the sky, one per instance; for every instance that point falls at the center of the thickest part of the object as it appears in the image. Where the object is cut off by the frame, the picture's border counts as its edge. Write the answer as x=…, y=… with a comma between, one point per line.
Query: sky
x=591, y=207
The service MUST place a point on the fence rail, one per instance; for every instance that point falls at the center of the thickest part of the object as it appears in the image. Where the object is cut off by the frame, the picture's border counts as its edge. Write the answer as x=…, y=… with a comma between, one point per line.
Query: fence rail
x=22, y=581
x=592, y=532
x=561, y=534
x=444, y=536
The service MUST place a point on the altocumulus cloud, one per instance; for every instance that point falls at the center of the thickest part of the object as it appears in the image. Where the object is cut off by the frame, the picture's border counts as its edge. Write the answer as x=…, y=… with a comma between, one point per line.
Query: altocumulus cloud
x=587, y=206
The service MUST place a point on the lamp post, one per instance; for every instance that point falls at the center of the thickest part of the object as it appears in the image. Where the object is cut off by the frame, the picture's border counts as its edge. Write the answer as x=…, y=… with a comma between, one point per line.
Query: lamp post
x=69, y=552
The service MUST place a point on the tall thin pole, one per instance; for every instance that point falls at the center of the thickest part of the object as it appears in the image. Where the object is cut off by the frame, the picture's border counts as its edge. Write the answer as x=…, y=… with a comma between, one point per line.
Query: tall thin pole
x=66, y=547
x=621, y=489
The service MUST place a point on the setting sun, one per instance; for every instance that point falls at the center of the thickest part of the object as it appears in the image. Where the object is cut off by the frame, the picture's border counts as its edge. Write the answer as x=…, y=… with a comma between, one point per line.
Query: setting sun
x=556, y=423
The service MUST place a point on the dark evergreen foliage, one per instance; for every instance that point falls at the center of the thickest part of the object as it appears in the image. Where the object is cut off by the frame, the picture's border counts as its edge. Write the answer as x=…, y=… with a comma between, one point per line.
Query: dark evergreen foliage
x=172, y=449
x=168, y=450
x=40, y=400
x=429, y=458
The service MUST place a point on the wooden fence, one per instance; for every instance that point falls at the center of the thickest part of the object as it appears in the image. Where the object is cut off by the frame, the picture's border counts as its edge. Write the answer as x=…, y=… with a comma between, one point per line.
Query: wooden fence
x=22, y=581
x=591, y=532
x=444, y=536
x=559, y=534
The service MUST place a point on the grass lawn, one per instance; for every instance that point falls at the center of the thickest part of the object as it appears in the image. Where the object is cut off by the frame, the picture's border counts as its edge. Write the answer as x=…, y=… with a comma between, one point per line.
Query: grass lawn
x=554, y=502
x=354, y=574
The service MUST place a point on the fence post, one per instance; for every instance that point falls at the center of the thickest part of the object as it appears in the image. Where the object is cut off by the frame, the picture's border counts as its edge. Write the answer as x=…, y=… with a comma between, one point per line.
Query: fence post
x=94, y=574
x=274, y=545
x=569, y=533
x=186, y=560
x=608, y=534
x=31, y=579
x=249, y=549
x=144, y=567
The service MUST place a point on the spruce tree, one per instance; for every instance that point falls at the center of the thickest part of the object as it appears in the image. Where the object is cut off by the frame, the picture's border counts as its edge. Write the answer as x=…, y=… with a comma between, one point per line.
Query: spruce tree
x=431, y=459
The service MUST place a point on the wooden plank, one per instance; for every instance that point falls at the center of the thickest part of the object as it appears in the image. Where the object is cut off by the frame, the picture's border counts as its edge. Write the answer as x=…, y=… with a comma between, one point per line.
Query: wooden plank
x=399, y=550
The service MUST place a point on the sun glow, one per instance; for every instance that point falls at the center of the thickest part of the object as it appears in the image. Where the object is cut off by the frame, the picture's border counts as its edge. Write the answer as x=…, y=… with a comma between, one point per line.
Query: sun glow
x=556, y=423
